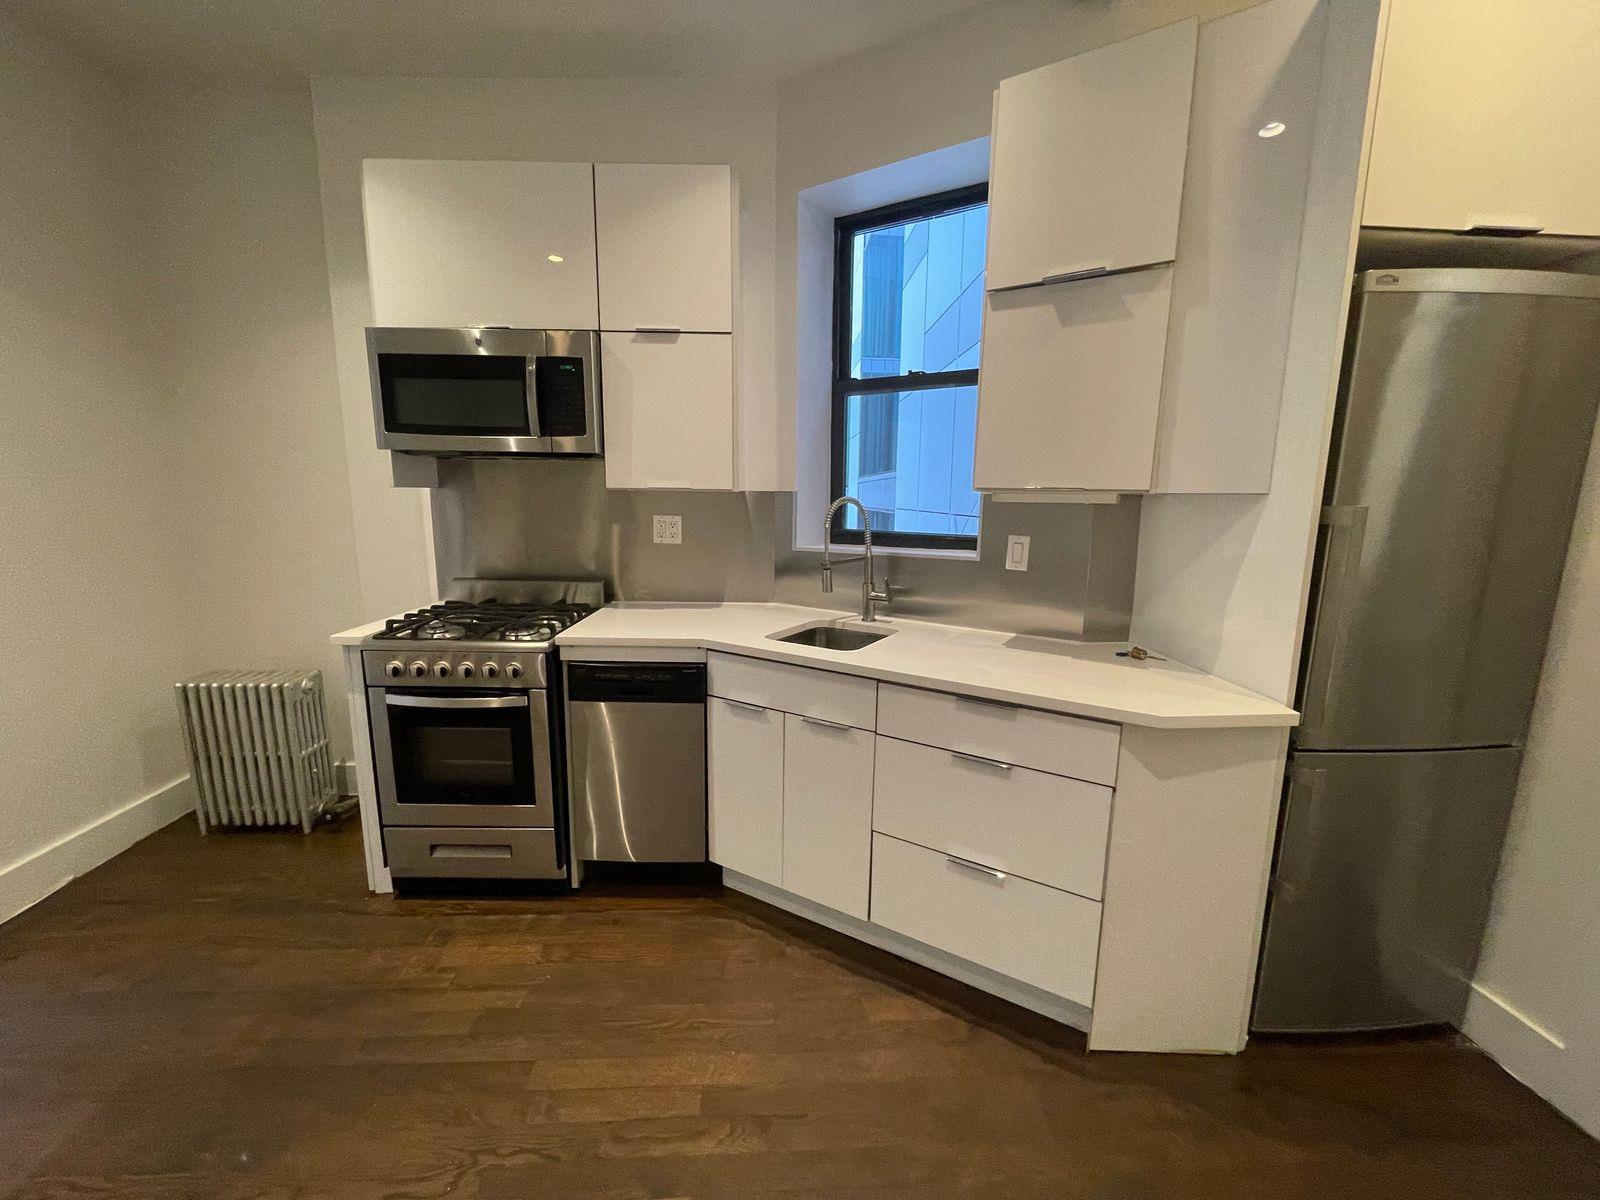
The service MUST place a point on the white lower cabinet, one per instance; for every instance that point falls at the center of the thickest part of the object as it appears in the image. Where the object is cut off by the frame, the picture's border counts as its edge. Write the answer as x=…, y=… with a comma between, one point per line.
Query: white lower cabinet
x=827, y=813
x=1036, y=934
x=745, y=793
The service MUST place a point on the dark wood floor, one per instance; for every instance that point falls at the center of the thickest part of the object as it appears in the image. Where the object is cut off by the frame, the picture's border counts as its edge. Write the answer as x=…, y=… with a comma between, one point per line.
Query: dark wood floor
x=235, y=1017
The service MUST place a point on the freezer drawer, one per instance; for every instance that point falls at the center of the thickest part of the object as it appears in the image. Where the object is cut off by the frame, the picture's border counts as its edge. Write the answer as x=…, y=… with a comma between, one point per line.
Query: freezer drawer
x=636, y=757
x=1380, y=894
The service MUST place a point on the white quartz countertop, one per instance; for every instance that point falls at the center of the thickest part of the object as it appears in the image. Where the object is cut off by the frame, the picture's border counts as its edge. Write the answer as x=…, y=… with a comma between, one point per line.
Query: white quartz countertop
x=1086, y=679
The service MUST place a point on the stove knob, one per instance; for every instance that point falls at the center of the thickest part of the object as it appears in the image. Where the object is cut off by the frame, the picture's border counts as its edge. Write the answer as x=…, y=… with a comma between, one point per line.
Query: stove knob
x=419, y=669
x=514, y=670
x=394, y=668
x=442, y=669
x=466, y=670
x=491, y=670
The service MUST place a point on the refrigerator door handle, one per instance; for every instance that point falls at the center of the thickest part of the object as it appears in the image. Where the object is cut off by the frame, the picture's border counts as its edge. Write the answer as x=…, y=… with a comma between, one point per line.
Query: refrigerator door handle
x=1341, y=572
x=1300, y=804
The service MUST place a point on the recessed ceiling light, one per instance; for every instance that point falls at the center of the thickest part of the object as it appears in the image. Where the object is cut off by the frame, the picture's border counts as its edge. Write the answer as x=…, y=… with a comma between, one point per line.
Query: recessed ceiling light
x=1271, y=129
x=558, y=258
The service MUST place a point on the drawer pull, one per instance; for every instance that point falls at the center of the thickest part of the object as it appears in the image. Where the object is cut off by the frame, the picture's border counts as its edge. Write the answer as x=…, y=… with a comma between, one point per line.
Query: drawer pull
x=979, y=760
x=744, y=704
x=468, y=850
x=824, y=724
x=982, y=702
x=999, y=876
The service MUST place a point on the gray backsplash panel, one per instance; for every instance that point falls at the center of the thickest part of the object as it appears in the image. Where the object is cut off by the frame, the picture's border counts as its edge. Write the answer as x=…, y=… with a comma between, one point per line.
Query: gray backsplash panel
x=555, y=517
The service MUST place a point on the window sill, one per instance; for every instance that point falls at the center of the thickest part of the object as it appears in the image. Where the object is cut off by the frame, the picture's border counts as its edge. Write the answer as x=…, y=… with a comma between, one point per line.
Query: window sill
x=901, y=551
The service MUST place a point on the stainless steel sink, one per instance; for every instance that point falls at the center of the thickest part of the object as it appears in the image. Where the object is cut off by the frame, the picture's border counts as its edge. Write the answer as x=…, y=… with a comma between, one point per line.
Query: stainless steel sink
x=832, y=637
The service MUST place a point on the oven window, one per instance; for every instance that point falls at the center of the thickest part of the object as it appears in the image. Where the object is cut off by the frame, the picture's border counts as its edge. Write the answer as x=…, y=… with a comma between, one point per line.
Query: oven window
x=462, y=756
x=455, y=394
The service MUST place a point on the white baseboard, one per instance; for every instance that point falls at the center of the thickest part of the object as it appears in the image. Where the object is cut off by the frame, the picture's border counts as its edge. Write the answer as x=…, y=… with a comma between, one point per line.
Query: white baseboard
x=1023, y=995
x=31, y=878
x=1531, y=1053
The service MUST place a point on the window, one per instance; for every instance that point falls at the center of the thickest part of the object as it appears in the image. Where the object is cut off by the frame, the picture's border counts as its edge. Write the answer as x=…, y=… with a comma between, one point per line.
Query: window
x=908, y=289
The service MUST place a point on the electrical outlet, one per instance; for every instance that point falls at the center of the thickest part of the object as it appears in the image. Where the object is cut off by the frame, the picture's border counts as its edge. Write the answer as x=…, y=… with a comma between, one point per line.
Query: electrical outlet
x=1017, y=552
x=667, y=531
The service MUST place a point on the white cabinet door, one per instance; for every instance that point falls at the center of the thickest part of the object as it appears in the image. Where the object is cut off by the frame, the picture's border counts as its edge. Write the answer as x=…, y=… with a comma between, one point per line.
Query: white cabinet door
x=665, y=233
x=480, y=243
x=1070, y=389
x=745, y=792
x=827, y=813
x=1088, y=159
x=667, y=401
x=1486, y=117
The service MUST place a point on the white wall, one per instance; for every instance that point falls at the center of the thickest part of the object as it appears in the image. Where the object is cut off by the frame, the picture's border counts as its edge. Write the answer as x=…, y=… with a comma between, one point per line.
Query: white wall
x=1536, y=1005
x=235, y=324
x=575, y=120
x=91, y=556
x=175, y=489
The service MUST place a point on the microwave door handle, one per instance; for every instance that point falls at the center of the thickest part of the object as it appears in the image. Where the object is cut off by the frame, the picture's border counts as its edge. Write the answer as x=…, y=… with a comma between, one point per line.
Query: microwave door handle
x=535, y=353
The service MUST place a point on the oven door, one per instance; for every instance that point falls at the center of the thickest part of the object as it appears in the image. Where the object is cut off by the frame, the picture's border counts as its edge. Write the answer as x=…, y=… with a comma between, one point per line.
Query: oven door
x=462, y=759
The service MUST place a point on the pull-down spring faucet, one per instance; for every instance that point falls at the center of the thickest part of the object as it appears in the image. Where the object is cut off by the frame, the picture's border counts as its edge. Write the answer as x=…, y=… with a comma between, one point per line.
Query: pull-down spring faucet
x=870, y=599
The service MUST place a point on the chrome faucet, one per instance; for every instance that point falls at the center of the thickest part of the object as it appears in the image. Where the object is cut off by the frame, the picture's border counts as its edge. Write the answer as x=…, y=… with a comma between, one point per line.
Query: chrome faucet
x=870, y=599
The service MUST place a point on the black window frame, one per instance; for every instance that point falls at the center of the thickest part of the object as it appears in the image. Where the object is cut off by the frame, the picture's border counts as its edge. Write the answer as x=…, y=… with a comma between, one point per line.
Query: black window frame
x=844, y=232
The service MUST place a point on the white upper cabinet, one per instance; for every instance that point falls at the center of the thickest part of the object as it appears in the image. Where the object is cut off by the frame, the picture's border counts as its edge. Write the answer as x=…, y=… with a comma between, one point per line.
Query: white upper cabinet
x=1088, y=161
x=665, y=233
x=453, y=243
x=668, y=410
x=1486, y=117
x=1070, y=388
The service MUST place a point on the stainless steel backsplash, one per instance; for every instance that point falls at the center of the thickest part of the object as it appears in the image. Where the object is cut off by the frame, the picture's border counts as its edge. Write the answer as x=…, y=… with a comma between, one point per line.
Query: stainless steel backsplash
x=555, y=517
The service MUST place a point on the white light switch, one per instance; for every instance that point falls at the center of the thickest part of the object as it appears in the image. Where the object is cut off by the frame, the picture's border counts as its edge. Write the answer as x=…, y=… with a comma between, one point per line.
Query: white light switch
x=1017, y=552
x=668, y=531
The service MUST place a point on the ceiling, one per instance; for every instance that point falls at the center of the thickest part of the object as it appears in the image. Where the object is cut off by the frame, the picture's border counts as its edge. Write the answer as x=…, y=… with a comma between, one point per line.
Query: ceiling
x=285, y=41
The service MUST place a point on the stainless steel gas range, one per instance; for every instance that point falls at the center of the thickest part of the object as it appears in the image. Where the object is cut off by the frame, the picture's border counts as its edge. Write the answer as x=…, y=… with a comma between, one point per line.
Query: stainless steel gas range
x=465, y=714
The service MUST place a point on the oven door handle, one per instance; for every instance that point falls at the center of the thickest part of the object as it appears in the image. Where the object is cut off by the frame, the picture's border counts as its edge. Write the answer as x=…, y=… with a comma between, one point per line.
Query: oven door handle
x=402, y=701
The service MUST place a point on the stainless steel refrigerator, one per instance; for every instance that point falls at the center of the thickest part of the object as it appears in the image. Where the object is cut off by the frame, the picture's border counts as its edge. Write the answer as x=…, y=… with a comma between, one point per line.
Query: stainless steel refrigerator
x=1466, y=411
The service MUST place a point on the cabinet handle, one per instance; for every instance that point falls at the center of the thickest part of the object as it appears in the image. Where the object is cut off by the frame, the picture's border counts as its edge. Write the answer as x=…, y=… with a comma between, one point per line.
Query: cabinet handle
x=981, y=702
x=1000, y=876
x=658, y=329
x=981, y=761
x=1079, y=273
x=744, y=704
x=824, y=724
x=1503, y=229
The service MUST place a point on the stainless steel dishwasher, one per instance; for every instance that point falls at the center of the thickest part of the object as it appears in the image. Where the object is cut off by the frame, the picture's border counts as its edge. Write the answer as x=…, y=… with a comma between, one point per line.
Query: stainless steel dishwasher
x=636, y=761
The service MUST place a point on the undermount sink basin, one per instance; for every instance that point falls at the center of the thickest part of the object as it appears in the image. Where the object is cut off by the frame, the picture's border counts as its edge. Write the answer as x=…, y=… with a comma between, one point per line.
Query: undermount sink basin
x=832, y=637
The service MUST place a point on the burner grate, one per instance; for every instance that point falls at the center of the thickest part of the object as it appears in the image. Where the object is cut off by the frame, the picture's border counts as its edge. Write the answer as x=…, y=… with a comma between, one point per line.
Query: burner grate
x=484, y=621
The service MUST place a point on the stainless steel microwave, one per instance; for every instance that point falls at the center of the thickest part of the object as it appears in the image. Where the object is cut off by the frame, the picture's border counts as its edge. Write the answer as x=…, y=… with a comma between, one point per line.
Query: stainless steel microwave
x=486, y=391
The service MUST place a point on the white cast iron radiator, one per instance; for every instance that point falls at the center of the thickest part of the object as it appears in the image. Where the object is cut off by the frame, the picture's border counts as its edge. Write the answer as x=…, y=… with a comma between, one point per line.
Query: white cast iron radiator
x=258, y=746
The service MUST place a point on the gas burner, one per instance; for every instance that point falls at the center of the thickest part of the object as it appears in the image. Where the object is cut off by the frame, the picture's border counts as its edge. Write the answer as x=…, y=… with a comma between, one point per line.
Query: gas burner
x=484, y=621
x=541, y=630
x=441, y=630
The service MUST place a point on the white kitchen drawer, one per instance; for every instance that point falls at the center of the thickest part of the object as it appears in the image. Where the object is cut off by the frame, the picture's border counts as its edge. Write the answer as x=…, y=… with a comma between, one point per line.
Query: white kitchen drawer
x=1023, y=737
x=1036, y=934
x=1043, y=827
x=846, y=699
